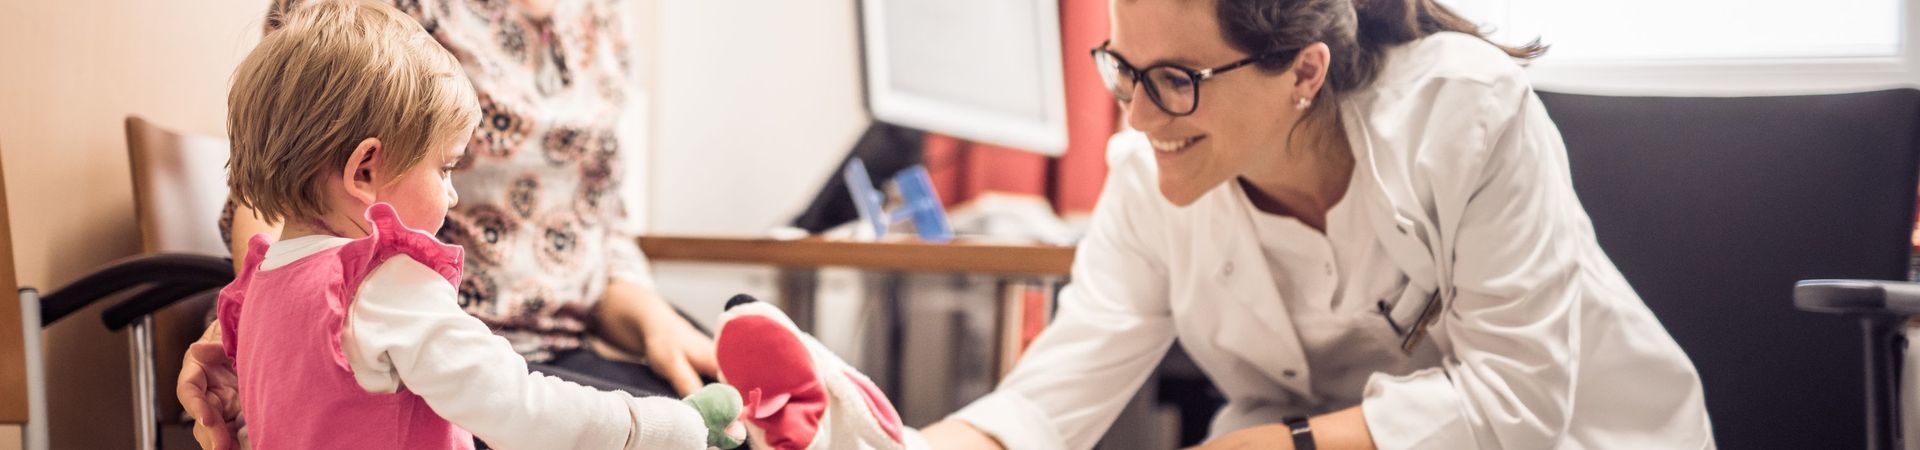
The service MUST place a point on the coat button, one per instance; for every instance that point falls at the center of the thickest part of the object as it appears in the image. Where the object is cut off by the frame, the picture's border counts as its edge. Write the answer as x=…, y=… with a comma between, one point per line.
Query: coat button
x=1329, y=268
x=1289, y=374
x=1227, y=270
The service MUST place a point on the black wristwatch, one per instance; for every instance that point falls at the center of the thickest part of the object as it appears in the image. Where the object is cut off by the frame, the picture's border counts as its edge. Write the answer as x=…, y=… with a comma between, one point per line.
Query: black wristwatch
x=1302, y=435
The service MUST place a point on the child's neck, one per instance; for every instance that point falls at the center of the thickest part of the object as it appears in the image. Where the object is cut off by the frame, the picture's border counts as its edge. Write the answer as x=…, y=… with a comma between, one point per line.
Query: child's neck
x=316, y=226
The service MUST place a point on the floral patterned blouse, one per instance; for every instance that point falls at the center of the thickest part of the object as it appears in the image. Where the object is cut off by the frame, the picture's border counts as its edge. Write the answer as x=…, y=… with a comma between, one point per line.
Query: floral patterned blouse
x=541, y=215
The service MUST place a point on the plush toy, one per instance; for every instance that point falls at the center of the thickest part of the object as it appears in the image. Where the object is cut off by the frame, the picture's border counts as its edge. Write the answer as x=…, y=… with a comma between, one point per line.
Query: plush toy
x=719, y=406
x=798, y=395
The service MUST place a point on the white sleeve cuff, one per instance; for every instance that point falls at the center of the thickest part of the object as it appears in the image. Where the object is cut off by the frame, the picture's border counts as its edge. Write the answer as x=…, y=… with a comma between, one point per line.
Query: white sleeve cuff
x=1017, y=423
x=665, y=423
x=1418, y=410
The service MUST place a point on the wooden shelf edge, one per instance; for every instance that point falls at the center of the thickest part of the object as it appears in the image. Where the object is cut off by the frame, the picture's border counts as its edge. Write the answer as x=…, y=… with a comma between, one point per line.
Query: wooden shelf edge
x=890, y=256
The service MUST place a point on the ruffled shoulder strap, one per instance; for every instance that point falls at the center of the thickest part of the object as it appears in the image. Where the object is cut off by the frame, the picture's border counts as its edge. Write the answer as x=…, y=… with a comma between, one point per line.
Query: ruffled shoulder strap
x=233, y=297
x=389, y=237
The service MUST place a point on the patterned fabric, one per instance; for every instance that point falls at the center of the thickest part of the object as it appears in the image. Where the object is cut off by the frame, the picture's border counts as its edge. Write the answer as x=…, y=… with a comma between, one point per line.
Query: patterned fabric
x=540, y=212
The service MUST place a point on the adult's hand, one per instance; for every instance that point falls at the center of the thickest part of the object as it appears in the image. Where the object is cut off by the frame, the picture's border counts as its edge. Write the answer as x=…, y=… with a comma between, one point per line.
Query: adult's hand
x=678, y=351
x=636, y=319
x=210, y=392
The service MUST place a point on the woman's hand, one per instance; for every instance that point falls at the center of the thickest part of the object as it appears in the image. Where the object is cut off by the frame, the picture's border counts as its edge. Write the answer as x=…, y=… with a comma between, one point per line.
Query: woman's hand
x=636, y=319
x=210, y=392
x=1345, y=429
x=676, y=350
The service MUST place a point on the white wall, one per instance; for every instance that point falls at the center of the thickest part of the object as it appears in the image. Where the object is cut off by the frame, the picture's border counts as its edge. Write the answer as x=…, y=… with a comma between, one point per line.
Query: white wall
x=753, y=107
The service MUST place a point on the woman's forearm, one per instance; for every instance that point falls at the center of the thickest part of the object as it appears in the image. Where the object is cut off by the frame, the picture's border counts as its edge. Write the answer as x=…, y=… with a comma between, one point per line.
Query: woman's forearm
x=957, y=435
x=619, y=315
x=245, y=225
x=1339, y=430
x=1345, y=429
x=212, y=335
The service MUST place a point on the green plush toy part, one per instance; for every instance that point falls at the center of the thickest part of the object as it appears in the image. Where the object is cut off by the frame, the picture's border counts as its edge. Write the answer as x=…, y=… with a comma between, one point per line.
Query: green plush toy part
x=719, y=405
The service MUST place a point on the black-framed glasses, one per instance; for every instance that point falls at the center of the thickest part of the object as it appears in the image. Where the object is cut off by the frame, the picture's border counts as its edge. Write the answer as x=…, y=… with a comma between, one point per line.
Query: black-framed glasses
x=1173, y=88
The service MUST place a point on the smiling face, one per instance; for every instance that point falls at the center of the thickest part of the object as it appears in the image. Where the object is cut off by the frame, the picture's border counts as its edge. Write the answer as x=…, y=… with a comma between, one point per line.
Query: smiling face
x=1244, y=117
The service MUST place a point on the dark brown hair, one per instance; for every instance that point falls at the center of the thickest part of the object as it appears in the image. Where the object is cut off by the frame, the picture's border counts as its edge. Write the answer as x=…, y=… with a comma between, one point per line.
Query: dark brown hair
x=1358, y=32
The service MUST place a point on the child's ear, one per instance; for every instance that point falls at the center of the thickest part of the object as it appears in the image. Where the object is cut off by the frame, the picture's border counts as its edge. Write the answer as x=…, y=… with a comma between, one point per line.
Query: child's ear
x=357, y=175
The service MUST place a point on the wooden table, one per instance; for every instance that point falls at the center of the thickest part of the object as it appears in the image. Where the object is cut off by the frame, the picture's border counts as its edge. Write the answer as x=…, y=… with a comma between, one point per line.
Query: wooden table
x=800, y=258
x=899, y=256
x=1042, y=266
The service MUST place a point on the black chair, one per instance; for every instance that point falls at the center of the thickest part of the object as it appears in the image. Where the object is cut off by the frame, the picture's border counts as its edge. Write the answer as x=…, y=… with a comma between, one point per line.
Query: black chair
x=1714, y=207
x=154, y=282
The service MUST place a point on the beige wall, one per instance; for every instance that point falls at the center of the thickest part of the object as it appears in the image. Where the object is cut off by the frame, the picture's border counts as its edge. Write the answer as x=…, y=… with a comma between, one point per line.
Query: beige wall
x=69, y=72
x=10, y=437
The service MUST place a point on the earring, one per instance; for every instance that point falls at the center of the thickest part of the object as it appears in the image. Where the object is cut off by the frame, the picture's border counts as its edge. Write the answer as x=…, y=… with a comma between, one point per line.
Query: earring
x=1302, y=103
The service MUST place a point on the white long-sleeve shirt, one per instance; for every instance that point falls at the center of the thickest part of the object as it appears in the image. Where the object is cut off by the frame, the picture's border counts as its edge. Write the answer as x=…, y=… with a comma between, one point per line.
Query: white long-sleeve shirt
x=406, y=328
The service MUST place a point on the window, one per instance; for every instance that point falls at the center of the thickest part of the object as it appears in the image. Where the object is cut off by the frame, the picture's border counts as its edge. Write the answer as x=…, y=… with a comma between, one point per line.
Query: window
x=1694, y=47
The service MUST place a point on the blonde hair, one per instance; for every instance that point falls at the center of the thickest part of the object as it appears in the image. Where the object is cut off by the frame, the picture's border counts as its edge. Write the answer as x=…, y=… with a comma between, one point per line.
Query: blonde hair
x=336, y=73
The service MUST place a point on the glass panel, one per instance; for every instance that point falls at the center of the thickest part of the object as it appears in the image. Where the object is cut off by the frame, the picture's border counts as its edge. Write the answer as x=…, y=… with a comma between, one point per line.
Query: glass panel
x=1586, y=30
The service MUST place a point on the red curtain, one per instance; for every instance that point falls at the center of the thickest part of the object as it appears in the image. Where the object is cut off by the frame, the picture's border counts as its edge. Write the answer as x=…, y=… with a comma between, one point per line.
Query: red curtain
x=963, y=170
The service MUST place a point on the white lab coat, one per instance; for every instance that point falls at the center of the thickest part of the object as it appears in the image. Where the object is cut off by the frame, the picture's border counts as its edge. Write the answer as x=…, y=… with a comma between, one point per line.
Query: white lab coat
x=1542, y=344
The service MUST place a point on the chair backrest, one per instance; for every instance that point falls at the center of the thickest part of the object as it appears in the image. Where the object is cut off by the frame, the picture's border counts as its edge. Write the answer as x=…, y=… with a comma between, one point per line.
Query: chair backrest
x=1714, y=207
x=23, y=399
x=13, y=331
x=179, y=186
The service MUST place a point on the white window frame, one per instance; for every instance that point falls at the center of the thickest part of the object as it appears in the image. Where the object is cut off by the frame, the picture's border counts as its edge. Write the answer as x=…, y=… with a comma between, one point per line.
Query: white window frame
x=1738, y=77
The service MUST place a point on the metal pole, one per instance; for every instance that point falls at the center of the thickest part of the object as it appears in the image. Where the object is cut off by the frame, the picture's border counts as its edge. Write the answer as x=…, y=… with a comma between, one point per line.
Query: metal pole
x=35, y=432
x=1884, y=341
x=140, y=340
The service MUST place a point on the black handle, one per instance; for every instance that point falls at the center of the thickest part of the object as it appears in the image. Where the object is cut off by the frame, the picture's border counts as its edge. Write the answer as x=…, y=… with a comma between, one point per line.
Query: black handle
x=177, y=275
x=1882, y=308
x=1858, y=297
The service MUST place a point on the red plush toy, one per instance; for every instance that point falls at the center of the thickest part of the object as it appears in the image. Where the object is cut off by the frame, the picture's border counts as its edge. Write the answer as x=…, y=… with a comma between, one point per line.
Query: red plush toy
x=798, y=395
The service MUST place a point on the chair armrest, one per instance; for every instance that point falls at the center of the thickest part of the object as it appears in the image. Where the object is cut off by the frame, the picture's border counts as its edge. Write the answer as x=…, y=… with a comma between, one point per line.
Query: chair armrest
x=151, y=301
x=175, y=276
x=1876, y=297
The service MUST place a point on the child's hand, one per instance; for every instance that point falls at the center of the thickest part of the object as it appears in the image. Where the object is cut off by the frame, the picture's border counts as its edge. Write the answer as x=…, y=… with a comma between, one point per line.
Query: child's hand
x=737, y=431
x=719, y=406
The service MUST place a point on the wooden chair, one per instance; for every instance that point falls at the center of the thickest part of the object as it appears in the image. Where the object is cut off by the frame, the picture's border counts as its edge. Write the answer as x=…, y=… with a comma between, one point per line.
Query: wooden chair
x=179, y=186
x=22, y=399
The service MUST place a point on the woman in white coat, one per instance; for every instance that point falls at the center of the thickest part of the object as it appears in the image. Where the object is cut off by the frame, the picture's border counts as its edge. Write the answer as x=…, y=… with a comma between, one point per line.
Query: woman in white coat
x=1358, y=220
